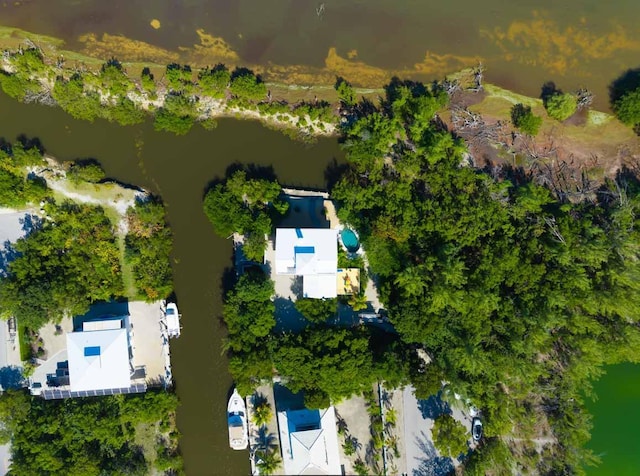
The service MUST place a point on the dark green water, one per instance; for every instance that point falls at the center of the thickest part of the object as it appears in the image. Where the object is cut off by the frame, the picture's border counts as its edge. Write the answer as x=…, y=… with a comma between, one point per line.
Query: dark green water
x=616, y=433
x=179, y=168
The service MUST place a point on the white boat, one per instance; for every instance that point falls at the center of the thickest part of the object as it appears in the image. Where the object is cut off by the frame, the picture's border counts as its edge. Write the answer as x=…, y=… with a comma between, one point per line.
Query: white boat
x=237, y=422
x=172, y=319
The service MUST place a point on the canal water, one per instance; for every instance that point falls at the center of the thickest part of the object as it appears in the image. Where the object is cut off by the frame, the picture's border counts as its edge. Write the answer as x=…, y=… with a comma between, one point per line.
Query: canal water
x=179, y=168
x=523, y=44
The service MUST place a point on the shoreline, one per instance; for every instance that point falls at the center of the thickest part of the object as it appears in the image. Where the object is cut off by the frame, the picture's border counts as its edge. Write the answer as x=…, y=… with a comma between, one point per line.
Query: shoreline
x=595, y=130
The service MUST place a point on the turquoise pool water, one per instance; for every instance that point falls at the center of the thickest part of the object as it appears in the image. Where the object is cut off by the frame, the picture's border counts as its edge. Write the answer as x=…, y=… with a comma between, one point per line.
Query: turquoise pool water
x=350, y=240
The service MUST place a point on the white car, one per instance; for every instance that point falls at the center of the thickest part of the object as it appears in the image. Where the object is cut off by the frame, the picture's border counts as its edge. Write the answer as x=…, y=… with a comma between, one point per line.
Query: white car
x=476, y=429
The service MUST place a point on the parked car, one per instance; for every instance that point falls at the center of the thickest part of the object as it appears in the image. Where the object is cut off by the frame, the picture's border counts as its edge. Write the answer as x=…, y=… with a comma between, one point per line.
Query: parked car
x=476, y=429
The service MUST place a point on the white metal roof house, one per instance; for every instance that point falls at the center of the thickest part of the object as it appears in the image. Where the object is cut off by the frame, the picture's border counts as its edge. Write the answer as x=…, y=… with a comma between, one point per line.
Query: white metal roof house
x=309, y=442
x=96, y=361
x=311, y=253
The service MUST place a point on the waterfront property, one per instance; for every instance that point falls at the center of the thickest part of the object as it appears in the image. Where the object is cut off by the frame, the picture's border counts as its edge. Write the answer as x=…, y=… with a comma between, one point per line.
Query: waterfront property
x=116, y=348
x=309, y=441
x=311, y=253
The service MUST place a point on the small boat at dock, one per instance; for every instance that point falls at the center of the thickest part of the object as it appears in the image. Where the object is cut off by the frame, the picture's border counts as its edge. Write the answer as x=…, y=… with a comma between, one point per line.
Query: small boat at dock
x=237, y=422
x=172, y=319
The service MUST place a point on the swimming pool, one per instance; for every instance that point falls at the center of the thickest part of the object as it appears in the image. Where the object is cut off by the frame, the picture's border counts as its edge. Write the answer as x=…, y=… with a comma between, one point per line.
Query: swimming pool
x=350, y=240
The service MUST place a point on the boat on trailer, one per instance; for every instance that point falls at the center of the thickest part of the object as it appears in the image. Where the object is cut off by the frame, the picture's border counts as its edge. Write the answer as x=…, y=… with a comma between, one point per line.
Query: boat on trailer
x=237, y=422
x=172, y=319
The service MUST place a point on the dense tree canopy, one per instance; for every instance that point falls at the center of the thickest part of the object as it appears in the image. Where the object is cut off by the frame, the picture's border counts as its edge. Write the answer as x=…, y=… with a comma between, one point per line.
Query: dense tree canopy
x=245, y=205
x=62, y=267
x=214, y=82
x=317, y=310
x=177, y=115
x=249, y=311
x=512, y=291
x=112, y=94
x=17, y=187
x=246, y=85
x=331, y=361
x=148, y=247
x=89, y=436
x=449, y=436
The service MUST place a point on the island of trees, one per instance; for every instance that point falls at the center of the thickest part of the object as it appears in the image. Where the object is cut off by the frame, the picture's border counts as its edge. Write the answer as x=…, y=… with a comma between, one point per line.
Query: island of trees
x=178, y=100
x=518, y=294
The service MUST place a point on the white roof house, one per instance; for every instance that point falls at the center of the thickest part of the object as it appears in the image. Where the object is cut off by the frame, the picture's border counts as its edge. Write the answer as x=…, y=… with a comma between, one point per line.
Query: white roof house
x=309, y=442
x=98, y=360
x=311, y=253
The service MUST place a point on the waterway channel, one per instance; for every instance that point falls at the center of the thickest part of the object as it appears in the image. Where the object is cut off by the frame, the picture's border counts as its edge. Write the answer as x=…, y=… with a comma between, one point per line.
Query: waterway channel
x=179, y=168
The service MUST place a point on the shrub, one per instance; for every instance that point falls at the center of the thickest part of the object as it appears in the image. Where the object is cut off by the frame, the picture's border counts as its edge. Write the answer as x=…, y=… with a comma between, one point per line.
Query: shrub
x=85, y=171
x=209, y=124
x=245, y=84
x=18, y=87
x=525, y=120
x=177, y=114
x=113, y=78
x=147, y=80
x=71, y=97
x=346, y=94
x=561, y=106
x=213, y=82
x=627, y=108
x=124, y=112
x=319, y=111
x=179, y=77
x=29, y=62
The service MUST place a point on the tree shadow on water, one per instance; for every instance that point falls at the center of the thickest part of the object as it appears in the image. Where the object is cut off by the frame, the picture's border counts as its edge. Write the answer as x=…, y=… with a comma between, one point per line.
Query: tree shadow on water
x=253, y=171
x=549, y=89
x=626, y=82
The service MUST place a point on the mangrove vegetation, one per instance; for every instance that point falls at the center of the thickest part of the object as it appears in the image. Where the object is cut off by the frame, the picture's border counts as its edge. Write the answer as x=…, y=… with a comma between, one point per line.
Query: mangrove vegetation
x=118, y=435
x=177, y=100
x=518, y=295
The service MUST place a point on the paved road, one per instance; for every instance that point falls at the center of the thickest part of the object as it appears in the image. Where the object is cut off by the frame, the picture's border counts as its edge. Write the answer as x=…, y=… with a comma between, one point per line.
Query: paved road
x=422, y=458
x=12, y=227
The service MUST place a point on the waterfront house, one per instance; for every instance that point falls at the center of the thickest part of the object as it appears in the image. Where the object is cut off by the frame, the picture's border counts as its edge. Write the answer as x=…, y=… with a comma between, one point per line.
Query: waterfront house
x=309, y=441
x=96, y=360
x=311, y=253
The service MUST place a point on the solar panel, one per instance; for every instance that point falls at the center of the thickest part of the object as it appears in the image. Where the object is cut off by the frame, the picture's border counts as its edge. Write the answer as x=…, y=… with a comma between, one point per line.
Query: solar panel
x=55, y=394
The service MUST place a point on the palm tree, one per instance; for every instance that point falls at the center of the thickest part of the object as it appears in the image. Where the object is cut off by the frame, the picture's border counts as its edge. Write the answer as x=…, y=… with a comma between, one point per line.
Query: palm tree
x=267, y=462
x=262, y=414
x=358, y=302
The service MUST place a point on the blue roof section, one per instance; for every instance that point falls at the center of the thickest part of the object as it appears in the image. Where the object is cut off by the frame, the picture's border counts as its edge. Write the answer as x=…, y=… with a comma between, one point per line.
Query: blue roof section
x=92, y=351
x=298, y=232
x=304, y=249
